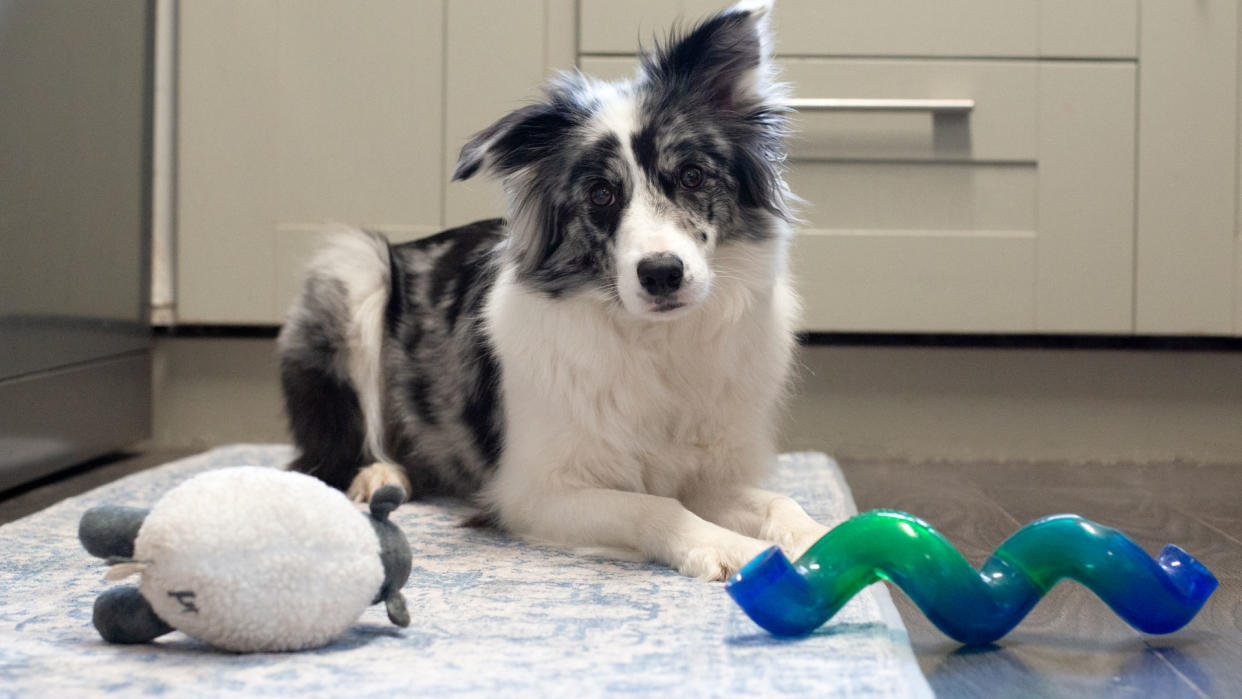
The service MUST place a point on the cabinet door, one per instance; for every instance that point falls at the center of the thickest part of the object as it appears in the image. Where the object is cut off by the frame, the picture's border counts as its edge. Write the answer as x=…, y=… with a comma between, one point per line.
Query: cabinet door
x=295, y=116
x=498, y=53
x=74, y=141
x=75, y=102
x=1187, y=220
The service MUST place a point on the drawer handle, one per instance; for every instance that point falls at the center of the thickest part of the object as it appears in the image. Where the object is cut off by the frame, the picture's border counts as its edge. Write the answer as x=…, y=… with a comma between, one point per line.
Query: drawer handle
x=831, y=104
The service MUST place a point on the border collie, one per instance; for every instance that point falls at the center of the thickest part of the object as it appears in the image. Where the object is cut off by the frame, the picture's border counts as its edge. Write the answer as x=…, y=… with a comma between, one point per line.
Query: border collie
x=603, y=369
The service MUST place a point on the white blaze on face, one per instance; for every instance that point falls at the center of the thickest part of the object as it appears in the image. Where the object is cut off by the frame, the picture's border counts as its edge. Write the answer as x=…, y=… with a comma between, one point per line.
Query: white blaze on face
x=650, y=226
x=647, y=232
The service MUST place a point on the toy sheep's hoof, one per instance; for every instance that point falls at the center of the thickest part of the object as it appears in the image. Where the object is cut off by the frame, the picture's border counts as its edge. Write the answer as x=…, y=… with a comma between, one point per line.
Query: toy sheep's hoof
x=397, y=613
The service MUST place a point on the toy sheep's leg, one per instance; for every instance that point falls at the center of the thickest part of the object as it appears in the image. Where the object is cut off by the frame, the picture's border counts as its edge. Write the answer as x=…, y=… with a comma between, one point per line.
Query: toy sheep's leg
x=397, y=611
x=123, y=615
x=109, y=531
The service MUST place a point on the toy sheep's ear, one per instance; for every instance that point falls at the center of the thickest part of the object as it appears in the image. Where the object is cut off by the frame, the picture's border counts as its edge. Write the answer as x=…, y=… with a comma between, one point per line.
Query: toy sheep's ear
x=397, y=612
x=109, y=531
x=385, y=500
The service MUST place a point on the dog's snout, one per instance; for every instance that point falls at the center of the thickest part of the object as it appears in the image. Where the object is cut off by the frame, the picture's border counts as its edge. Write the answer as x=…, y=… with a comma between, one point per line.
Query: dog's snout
x=661, y=274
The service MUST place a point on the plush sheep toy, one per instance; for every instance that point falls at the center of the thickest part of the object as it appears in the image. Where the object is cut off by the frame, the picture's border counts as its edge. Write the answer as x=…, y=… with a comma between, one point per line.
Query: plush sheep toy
x=248, y=559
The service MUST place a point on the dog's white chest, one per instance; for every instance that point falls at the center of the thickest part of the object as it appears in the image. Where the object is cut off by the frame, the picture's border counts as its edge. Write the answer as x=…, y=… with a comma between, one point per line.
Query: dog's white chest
x=640, y=407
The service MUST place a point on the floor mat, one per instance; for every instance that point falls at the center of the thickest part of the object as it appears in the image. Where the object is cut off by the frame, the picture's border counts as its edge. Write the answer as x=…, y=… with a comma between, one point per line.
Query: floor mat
x=491, y=616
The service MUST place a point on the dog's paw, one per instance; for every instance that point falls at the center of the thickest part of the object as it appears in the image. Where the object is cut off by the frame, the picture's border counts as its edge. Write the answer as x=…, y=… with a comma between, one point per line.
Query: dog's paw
x=374, y=477
x=794, y=544
x=789, y=527
x=719, y=563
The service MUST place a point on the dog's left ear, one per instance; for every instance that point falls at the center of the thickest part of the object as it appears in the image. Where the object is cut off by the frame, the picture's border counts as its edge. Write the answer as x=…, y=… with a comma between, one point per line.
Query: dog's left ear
x=724, y=60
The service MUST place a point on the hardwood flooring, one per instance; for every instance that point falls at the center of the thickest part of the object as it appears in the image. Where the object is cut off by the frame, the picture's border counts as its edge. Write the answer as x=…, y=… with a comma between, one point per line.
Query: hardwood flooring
x=1072, y=644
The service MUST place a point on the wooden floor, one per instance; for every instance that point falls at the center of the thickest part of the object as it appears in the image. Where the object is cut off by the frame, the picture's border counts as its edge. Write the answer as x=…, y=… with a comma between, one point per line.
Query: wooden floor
x=1071, y=644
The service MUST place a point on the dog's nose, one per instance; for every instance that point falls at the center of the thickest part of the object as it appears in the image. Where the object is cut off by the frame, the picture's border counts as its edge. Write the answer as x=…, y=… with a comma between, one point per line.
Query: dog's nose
x=660, y=274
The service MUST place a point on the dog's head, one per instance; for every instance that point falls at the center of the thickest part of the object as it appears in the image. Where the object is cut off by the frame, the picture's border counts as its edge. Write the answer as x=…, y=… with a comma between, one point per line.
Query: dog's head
x=629, y=189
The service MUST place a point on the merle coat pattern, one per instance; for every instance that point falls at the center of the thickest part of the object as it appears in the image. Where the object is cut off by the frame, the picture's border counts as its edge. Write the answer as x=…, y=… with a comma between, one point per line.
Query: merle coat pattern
x=603, y=368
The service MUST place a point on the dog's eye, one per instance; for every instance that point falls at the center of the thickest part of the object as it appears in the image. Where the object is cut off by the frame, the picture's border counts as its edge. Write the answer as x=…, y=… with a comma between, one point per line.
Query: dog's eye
x=601, y=194
x=691, y=176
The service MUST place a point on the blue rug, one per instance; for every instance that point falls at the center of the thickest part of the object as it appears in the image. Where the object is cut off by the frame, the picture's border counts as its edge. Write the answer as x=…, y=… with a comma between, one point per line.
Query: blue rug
x=491, y=616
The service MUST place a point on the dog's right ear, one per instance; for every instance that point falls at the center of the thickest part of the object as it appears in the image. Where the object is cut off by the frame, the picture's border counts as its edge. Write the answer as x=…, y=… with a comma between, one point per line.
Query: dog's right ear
x=519, y=139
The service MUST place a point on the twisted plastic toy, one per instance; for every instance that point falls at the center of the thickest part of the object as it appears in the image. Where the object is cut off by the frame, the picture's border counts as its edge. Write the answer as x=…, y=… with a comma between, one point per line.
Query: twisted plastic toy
x=973, y=607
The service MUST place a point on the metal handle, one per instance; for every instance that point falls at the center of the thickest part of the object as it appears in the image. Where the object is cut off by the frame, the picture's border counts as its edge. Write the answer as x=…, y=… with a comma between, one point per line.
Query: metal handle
x=830, y=104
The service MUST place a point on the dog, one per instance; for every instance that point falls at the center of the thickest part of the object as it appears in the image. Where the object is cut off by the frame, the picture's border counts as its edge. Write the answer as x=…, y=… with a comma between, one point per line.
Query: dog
x=603, y=369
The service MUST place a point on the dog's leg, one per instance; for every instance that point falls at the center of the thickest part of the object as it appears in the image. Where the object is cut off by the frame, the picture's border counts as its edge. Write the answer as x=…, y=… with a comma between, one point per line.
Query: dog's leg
x=374, y=477
x=660, y=528
x=759, y=513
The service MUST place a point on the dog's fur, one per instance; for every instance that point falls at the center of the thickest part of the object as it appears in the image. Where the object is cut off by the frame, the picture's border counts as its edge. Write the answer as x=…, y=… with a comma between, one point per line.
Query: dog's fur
x=602, y=370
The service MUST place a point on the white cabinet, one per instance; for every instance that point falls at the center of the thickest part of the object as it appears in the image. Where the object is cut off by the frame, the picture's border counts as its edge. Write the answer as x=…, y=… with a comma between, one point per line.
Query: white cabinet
x=1093, y=187
x=295, y=116
x=1187, y=265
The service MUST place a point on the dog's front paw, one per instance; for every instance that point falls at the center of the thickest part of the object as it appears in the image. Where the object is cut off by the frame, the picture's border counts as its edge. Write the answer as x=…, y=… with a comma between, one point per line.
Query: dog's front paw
x=789, y=527
x=719, y=562
x=794, y=544
x=374, y=477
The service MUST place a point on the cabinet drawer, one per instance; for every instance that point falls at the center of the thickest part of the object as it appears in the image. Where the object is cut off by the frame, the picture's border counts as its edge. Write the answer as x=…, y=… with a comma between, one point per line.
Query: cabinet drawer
x=960, y=28
x=869, y=280
x=1001, y=125
x=1017, y=218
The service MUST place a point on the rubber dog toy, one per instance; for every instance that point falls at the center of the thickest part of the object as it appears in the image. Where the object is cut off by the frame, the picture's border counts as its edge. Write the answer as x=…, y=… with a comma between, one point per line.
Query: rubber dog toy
x=973, y=607
x=248, y=559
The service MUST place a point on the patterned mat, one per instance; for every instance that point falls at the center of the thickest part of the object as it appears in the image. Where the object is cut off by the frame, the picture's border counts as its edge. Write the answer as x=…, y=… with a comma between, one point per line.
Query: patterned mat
x=491, y=616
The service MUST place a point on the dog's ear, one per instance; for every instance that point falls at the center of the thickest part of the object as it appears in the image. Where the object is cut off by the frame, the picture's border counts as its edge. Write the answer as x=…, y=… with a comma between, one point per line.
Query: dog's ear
x=724, y=60
x=725, y=64
x=517, y=140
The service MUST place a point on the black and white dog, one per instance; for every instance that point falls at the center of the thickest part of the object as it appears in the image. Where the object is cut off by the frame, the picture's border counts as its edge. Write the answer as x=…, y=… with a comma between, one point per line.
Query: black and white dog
x=603, y=369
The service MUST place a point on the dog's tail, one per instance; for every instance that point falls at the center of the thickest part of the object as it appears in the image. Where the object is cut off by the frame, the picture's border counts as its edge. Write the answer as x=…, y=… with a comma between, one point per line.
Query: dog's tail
x=336, y=329
x=365, y=263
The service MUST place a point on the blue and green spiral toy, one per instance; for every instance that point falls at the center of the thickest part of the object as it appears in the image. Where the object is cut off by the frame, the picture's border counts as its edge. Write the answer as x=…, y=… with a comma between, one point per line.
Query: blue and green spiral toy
x=974, y=607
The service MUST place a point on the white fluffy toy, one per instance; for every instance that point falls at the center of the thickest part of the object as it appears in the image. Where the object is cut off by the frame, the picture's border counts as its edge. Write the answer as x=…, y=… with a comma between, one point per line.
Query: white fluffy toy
x=248, y=559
